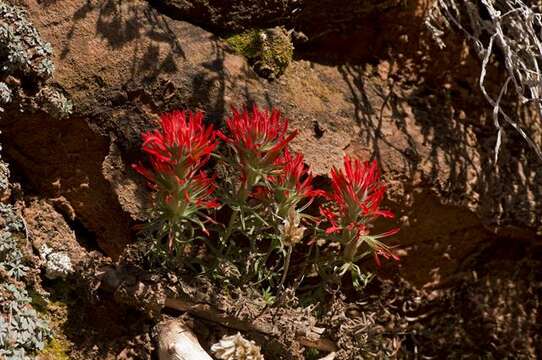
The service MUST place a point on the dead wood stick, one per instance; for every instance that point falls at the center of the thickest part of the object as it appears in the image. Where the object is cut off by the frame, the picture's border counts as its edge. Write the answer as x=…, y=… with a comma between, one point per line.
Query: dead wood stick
x=129, y=290
x=176, y=341
x=205, y=311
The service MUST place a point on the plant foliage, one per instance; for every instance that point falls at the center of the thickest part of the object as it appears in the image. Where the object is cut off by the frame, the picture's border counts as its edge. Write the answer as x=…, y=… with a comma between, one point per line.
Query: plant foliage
x=252, y=203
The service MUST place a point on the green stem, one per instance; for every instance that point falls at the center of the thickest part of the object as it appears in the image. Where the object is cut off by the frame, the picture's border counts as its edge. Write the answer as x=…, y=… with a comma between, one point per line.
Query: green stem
x=231, y=224
x=286, y=266
x=250, y=277
x=242, y=196
x=351, y=247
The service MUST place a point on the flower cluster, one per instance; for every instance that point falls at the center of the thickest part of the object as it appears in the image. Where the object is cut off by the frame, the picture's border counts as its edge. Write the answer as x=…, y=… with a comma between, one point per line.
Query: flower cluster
x=353, y=205
x=272, y=192
x=177, y=152
x=257, y=140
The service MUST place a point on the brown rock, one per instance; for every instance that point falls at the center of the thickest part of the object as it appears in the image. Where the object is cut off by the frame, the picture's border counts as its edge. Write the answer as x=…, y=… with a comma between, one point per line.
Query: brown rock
x=123, y=63
x=47, y=228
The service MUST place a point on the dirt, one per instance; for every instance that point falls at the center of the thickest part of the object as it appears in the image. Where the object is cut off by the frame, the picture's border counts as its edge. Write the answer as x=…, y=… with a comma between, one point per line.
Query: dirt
x=94, y=328
x=378, y=90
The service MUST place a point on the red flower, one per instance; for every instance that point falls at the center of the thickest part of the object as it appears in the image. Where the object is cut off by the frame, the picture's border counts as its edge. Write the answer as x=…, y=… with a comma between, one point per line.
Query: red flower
x=382, y=249
x=358, y=191
x=177, y=152
x=181, y=147
x=355, y=203
x=258, y=139
x=293, y=181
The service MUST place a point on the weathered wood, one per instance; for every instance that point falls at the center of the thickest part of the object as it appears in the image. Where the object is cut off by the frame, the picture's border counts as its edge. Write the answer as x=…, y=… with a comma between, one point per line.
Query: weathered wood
x=177, y=342
x=113, y=280
x=205, y=311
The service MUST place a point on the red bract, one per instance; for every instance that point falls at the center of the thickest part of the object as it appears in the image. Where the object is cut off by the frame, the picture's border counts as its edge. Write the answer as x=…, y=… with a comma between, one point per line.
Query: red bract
x=293, y=181
x=177, y=152
x=258, y=139
x=358, y=191
x=355, y=203
x=200, y=191
x=181, y=146
x=190, y=196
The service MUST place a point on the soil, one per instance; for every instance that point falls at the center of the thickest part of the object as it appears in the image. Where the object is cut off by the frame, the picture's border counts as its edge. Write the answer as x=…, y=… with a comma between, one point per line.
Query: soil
x=369, y=83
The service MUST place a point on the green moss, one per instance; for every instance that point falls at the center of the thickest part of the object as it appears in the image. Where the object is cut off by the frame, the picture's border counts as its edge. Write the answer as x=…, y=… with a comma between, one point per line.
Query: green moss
x=57, y=349
x=62, y=296
x=269, y=51
x=39, y=303
x=246, y=44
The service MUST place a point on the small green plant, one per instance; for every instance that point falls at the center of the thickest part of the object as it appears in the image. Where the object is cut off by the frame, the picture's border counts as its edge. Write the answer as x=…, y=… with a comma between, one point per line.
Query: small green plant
x=22, y=330
x=268, y=297
x=263, y=209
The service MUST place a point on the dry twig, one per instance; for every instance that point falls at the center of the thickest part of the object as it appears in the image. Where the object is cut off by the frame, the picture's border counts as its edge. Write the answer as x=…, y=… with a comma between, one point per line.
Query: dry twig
x=512, y=29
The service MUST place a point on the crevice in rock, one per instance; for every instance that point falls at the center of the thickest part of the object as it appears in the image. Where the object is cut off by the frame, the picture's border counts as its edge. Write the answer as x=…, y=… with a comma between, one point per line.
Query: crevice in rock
x=84, y=236
x=62, y=161
x=333, y=31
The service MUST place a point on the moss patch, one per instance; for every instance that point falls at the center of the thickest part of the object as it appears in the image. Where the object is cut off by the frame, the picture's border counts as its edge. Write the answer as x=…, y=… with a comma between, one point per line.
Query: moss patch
x=269, y=51
x=246, y=44
x=57, y=349
x=56, y=309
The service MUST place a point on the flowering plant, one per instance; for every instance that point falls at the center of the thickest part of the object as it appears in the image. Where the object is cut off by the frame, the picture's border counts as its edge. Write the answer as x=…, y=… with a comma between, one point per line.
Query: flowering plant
x=354, y=204
x=183, y=191
x=268, y=203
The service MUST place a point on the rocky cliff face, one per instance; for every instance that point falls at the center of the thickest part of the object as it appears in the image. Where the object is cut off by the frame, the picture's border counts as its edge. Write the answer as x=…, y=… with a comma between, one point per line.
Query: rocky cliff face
x=395, y=98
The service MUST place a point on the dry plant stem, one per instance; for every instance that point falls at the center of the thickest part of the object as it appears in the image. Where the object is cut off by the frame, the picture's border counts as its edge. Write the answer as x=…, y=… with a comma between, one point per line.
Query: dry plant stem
x=513, y=30
x=177, y=342
x=205, y=311
x=286, y=267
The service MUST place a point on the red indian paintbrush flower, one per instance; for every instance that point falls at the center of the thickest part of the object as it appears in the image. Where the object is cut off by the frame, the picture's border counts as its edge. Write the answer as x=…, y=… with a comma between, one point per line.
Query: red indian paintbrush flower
x=181, y=147
x=177, y=152
x=258, y=139
x=293, y=182
x=355, y=203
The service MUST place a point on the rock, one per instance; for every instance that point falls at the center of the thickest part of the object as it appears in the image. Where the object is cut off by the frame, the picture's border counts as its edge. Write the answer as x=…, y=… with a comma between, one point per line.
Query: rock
x=312, y=17
x=124, y=63
x=53, y=238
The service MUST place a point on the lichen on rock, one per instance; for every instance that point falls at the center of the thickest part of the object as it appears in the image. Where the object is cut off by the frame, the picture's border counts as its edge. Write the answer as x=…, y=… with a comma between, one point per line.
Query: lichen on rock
x=26, y=58
x=57, y=264
x=269, y=51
